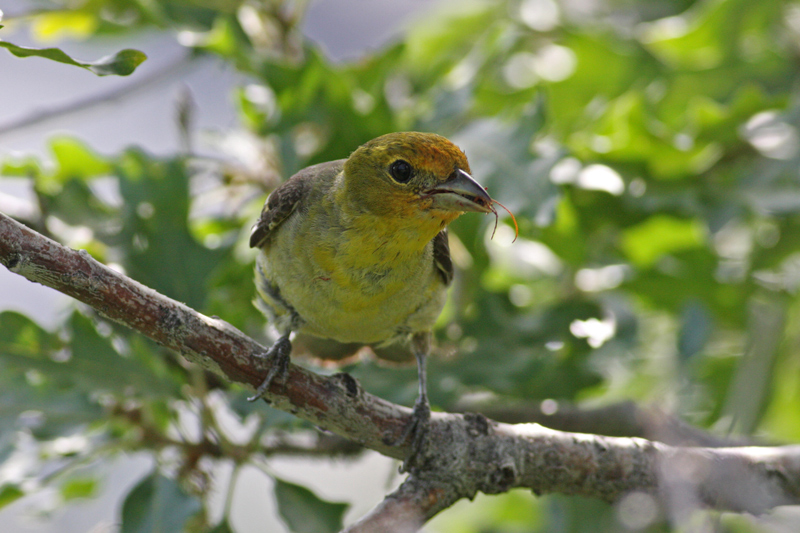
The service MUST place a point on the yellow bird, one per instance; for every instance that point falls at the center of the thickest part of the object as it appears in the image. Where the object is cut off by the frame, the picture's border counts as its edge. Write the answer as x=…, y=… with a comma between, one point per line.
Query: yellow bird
x=355, y=253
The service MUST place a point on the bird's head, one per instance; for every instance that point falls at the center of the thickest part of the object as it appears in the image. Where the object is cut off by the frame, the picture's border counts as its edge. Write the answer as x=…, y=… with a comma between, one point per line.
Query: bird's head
x=413, y=176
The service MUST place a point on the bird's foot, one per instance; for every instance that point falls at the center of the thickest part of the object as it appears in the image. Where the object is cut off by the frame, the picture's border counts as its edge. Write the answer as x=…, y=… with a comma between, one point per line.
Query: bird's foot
x=417, y=429
x=278, y=358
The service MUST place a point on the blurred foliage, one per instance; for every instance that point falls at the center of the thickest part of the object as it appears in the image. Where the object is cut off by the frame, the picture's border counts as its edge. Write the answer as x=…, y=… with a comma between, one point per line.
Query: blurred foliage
x=649, y=150
x=303, y=512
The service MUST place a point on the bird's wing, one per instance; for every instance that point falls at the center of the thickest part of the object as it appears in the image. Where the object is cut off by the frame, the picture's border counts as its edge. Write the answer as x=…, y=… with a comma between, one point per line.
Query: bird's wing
x=441, y=256
x=285, y=199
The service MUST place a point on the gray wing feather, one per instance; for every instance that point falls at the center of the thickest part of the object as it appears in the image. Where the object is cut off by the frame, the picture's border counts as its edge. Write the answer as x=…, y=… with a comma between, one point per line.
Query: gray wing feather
x=284, y=200
x=441, y=256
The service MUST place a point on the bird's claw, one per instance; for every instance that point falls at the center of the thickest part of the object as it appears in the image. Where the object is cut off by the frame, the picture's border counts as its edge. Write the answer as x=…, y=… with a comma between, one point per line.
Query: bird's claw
x=278, y=358
x=417, y=429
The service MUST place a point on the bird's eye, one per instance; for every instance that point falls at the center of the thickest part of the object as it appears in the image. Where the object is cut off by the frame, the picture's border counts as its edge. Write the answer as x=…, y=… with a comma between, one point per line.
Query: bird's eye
x=401, y=171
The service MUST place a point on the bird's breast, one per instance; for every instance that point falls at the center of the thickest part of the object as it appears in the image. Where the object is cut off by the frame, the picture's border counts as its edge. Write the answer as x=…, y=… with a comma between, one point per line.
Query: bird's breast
x=355, y=290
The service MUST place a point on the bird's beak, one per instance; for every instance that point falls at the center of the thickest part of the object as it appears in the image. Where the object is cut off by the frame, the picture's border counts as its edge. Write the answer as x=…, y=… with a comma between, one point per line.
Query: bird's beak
x=460, y=193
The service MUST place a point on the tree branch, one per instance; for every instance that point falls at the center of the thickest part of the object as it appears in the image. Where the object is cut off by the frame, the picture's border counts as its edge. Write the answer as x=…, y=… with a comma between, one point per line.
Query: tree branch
x=622, y=419
x=335, y=403
x=464, y=454
x=406, y=509
x=173, y=69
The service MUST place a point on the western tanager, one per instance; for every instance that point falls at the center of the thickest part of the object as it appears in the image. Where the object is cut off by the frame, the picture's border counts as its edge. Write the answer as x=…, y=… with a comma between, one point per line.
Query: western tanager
x=355, y=252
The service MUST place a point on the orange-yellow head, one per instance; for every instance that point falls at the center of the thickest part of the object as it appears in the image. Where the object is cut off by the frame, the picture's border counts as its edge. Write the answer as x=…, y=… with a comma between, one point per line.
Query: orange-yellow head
x=413, y=177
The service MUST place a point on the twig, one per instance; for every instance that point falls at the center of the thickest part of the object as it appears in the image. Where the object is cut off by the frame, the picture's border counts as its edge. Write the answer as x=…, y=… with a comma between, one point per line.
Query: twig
x=170, y=70
x=325, y=445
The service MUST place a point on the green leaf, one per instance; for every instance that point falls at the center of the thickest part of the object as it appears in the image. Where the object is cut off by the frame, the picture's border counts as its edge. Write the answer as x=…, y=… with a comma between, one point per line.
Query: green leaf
x=25, y=347
x=646, y=243
x=518, y=511
x=55, y=25
x=76, y=160
x=27, y=371
x=76, y=488
x=781, y=420
x=435, y=43
x=22, y=166
x=21, y=336
x=303, y=512
x=157, y=505
x=705, y=36
x=123, y=63
x=222, y=527
x=9, y=494
x=48, y=413
x=160, y=250
x=606, y=68
x=65, y=190
x=92, y=357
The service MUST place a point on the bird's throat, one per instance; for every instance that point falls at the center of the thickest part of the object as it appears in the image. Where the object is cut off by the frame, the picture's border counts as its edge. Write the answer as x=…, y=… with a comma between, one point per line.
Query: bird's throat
x=387, y=243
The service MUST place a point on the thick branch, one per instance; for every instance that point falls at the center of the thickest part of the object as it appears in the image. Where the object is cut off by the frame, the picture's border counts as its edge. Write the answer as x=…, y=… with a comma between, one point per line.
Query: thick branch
x=464, y=453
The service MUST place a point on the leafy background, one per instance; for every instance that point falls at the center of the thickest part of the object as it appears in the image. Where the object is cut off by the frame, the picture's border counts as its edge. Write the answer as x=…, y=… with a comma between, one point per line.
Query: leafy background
x=649, y=150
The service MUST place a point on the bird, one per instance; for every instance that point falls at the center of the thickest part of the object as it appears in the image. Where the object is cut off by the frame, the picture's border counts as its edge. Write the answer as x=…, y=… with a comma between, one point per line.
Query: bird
x=355, y=253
